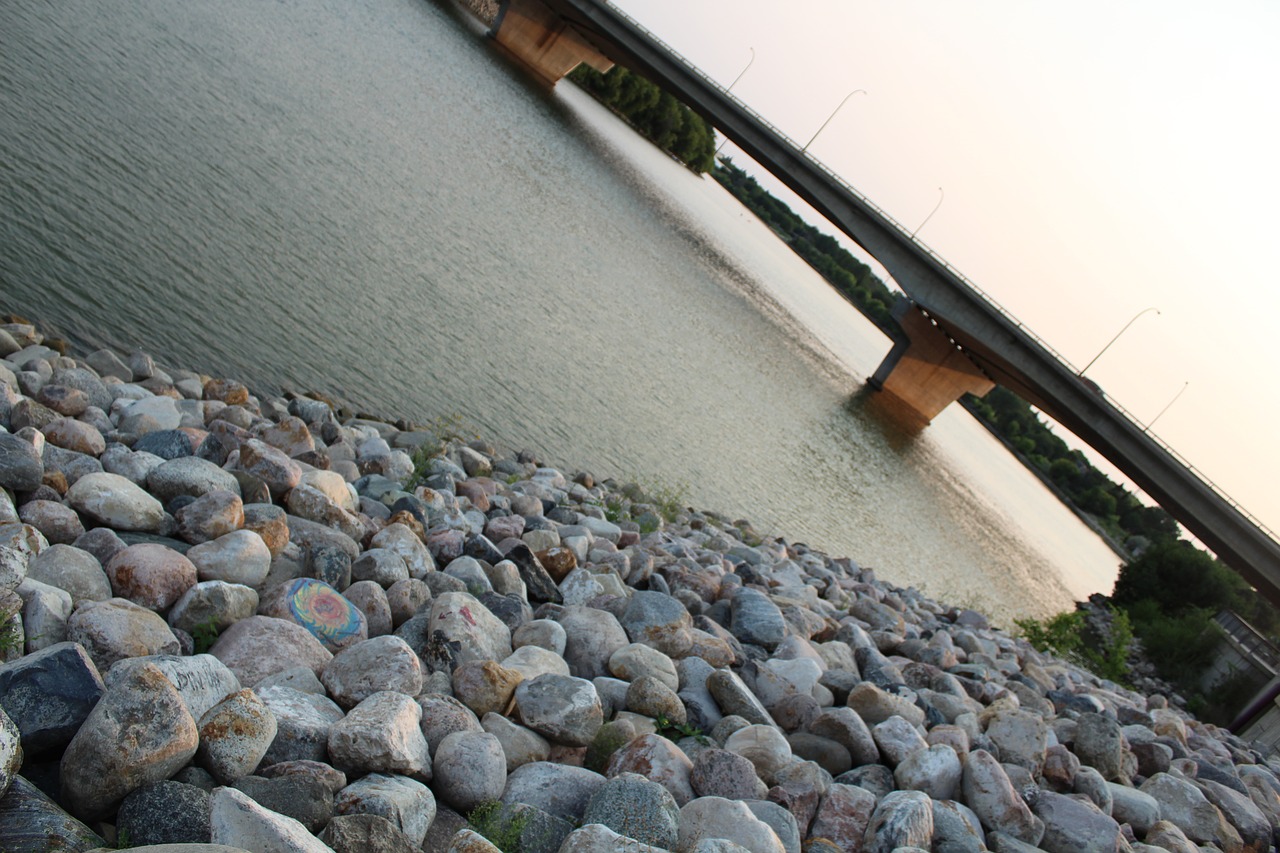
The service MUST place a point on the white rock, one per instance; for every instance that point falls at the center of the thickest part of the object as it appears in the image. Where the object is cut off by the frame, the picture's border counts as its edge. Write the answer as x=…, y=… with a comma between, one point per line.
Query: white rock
x=716, y=817
x=239, y=557
x=236, y=820
x=116, y=502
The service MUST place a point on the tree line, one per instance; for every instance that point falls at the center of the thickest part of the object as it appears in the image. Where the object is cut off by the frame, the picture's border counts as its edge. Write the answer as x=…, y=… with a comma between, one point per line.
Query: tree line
x=654, y=114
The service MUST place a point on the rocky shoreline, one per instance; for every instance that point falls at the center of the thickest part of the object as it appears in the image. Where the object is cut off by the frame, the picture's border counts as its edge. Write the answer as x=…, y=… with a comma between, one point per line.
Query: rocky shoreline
x=231, y=622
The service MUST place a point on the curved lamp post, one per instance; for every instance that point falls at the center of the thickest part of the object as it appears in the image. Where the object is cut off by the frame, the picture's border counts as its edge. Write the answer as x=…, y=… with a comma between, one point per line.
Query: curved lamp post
x=1167, y=405
x=729, y=89
x=830, y=117
x=941, y=196
x=1117, y=337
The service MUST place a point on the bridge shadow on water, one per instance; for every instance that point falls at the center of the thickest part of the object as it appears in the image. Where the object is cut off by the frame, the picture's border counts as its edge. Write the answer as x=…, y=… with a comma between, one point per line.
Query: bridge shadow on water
x=898, y=424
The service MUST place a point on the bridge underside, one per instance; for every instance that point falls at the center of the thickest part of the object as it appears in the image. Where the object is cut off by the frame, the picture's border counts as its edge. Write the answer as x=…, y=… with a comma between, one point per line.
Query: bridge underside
x=543, y=42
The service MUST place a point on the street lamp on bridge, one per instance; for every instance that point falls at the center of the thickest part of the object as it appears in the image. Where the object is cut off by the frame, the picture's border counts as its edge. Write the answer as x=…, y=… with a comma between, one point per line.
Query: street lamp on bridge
x=1167, y=405
x=729, y=89
x=1117, y=337
x=830, y=117
x=941, y=196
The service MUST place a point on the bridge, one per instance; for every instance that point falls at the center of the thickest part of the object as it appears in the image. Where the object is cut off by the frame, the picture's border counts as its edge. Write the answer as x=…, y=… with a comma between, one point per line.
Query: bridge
x=958, y=339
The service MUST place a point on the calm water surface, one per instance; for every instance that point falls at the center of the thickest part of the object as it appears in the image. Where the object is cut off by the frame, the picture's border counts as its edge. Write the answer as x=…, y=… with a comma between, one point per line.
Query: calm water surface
x=365, y=199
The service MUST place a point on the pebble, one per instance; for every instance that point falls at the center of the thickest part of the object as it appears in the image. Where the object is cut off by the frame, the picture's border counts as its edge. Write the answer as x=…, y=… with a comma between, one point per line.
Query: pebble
x=481, y=636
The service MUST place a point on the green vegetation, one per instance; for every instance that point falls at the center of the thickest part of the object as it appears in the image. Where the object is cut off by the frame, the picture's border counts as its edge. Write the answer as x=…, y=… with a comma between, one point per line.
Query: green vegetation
x=656, y=115
x=1063, y=635
x=443, y=430
x=495, y=822
x=204, y=635
x=673, y=731
x=853, y=279
x=12, y=637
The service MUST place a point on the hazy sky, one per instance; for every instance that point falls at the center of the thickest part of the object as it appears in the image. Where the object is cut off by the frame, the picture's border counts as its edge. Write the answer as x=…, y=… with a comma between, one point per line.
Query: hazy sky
x=1095, y=159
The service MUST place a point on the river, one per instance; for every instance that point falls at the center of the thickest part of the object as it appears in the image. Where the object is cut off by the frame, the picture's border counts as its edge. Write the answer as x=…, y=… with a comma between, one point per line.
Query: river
x=368, y=200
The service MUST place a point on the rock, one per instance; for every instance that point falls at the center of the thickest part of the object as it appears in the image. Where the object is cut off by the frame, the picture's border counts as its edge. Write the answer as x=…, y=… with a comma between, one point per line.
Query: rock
x=519, y=745
x=270, y=522
x=486, y=686
x=902, y=819
x=45, y=611
x=1072, y=825
x=151, y=576
x=404, y=542
x=558, y=789
x=659, y=760
x=649, y=696
x=874, y=705
x=756, y=619
x=20, y=467
x=306, y=799
x=234, y=736
x=371, y=599
x=57, y=522
x=140, y=731
x=561, y=708
x=845, y=727
x=75, y=570
x=1099, y=744
x=843, y=816
x=715, y=817
x=239, y=557
x=598, y=838
x=591, y=638
x=75, y=435
x=720, y=773
x=236, y=820
x=165, y=812
x=311, y=503
x=469, y=768
x=260, y=646
x=318, y=609
x=458, y=617
x=380, y=565
x=30, y=821
x=764, y=746
x=202, y=681
x=211, y=607
x=209, y=516
x=49, y=694
x=735, y=699
x=303, y=723
x=637, y=808
x=1241, y=813
x=658, y=620
x=381, y=735
x=1021, y=738
x=11, y=755
x=366, y=833
x=372, y=666
x=988, y=791
x=150, y=414
x=936, y=771
x=116, y=502
x=407, y=804
x=115, y=629
x=632, y=661
x=897, y=740
x=1131, y=806
x=444, y=715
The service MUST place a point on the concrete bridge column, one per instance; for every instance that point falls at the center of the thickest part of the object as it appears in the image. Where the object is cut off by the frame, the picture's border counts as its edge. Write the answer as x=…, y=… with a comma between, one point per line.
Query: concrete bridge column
x=928, y=372
x=542, y=41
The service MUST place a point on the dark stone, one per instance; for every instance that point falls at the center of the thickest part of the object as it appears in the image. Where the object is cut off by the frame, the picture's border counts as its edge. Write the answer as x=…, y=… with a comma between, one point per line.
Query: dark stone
x=317, y=459
x=101, y=542
x=415, y=506
x=305, y=799
x=443, y=828
x=1152, y=758
x=20, y=467
x=165, y=443
x=252, y=489
x=165, y=812
x=1208, y=772
x=562, y=514
x=31, y=820
x=511, y=609
x=48, y=694
x=369, y=833
x=330, y=564
x=481, y=548
x=537, y=581
x=875, y=778
x=86, y=381
x=133, y=538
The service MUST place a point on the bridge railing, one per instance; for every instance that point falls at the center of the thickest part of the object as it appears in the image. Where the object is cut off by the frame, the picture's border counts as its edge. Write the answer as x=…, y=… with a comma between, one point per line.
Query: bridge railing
x=941, y=261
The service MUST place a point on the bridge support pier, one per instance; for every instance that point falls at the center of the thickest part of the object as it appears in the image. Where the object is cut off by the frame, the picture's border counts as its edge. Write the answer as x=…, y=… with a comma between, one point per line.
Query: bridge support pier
x=927, y=372
x=542, y=41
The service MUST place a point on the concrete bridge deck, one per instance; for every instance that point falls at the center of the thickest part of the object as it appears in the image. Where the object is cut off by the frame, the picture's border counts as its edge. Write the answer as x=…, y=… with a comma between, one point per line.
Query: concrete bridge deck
x=995, y=347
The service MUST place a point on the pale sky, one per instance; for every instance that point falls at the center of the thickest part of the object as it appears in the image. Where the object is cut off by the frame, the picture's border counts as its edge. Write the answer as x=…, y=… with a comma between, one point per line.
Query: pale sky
x=1095, y=159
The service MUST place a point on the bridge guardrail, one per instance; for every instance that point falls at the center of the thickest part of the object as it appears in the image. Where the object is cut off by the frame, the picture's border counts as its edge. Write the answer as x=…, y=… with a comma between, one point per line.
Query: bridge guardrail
x=986, y=297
